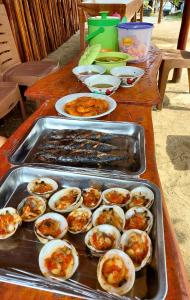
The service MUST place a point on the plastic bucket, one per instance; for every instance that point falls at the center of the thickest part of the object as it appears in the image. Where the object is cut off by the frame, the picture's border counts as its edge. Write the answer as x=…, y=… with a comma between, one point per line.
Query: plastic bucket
x=134, y=39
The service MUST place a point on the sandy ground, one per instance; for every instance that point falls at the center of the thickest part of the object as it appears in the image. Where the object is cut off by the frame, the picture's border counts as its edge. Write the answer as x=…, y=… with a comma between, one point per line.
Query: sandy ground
x=172, y=135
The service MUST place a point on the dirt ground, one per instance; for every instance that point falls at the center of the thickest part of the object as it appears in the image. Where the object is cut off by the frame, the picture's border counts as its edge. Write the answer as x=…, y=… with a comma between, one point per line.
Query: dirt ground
x=172, y=135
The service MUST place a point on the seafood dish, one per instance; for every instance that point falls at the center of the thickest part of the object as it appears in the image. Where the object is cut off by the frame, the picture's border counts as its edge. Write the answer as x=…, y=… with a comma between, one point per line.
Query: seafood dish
x=91, y=198
x=50, y=226
x=31, y=208
x=102, y=238
x=9, y=222
x=58, y=259
x=138, y=246
x=79, y=220
x=112, y=215
x=139, y=218
x=141, y=196
x=65, y=200
x=86, y=107
x=42, y=187
x=116, y=196
x=116, y=272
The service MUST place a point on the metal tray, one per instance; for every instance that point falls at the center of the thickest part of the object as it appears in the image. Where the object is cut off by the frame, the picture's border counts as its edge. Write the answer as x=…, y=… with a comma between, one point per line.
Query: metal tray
x=134, y=140
x=19, y=254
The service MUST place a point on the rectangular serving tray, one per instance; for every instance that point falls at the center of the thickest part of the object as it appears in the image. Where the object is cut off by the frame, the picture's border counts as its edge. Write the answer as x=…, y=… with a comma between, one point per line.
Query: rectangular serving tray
x=134, y=133
x=19, y=254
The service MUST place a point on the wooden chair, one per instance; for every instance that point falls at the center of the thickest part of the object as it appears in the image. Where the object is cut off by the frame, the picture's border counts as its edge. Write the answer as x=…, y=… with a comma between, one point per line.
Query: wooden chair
x=9, y=97
x=11, y=67
x=172, y=59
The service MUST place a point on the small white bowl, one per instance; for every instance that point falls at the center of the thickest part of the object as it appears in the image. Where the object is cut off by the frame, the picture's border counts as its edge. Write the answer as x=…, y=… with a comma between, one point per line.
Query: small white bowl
x=90, y=69
x=128, y=75
x=96, y=84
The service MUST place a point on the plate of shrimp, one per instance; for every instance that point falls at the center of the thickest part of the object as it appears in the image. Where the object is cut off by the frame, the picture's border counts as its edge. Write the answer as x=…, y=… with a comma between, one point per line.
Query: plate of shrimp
x=85, y=106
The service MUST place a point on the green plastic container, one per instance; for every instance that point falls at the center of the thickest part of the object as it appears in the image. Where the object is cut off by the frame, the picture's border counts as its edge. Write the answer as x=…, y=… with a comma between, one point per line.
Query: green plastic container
x=103, y=30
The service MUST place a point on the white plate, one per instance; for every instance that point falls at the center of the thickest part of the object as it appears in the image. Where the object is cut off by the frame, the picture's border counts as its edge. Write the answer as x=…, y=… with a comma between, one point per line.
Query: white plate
x=61, y=102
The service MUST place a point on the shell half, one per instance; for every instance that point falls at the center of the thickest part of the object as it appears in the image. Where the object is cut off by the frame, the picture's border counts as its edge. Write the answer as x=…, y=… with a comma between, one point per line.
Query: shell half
x=120, y=281
x=102, y=238
x=31, y=207
x=11, y=218
x=116, y=196
x=94, y=200
x=79, y=220
x=48, y=255
x=107, y=214
x=38, y=186
x=139, y=218
x=141, y=196
x=63, y=201
x=138, y=246
x=52, y=223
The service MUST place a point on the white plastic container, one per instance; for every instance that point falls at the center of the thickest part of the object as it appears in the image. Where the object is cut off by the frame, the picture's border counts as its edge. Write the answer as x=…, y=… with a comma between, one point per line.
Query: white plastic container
x=134, y=39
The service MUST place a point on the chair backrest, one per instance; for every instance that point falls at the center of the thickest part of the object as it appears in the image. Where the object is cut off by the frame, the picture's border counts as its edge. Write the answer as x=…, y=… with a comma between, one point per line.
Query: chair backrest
x=8, y=52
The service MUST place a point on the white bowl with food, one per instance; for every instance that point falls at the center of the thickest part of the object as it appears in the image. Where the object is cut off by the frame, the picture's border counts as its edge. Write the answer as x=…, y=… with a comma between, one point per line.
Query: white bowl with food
x=103, y=84
x=83, y=72
x=85, y=106
x=128, y=75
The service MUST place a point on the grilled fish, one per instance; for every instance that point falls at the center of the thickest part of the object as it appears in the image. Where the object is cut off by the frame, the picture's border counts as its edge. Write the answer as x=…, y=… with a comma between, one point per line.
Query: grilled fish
x=83, y=144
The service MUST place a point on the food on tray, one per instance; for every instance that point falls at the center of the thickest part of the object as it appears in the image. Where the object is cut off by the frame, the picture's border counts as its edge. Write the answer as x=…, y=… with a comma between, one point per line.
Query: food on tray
x=86, y=107
x=58, y=258
x=50, y=226
x=109, y=59
x=138, y=246
x=83, y=144
x=139, y=218
x=31, y=208
x=141, y=196
x=116, y=272
x=79, y=220
x=65, y=200
x=9, y=222
x=91, y=198
x=112, y=215
x=102, y=238
x=117, y=196
x=42, y=186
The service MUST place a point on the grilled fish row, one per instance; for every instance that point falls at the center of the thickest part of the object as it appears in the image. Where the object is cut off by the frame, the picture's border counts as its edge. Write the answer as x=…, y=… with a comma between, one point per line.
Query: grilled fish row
x=78, y=156
x=82, y=144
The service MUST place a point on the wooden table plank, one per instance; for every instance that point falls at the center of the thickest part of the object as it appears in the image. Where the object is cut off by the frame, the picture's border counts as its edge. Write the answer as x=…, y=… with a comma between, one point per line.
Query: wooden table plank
x=177, y=279
x=63, y=82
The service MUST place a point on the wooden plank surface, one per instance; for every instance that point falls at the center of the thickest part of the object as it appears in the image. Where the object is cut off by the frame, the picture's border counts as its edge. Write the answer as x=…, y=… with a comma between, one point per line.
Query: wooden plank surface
x=177, y=279
x=63, y=82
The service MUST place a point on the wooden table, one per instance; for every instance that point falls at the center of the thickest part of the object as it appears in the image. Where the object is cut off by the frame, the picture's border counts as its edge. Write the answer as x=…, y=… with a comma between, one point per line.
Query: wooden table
x=63, y=82
x=50, y=89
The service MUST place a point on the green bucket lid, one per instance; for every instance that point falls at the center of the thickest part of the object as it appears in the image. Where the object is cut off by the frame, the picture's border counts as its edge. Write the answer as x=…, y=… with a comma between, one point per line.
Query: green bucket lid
x=90, y=55
x=103, y=20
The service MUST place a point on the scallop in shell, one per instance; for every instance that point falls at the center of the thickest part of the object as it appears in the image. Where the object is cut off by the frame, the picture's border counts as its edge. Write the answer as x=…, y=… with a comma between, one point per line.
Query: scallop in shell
x=91, y=198
x=117, y=196
x=117, y=280
x=139, y=218
x=62, y=268
x=102, y=238
x=65, y=200
x=141, y=196
x=9, y=222
x=31, y=207
x=42, y=186
x=107, y=214
x=50, y=226
x=138, y=246
x=79, y=220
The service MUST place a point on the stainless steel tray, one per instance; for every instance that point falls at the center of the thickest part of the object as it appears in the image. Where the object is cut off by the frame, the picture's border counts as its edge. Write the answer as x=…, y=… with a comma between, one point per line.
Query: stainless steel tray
x=132, y=136
x=19, y=254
